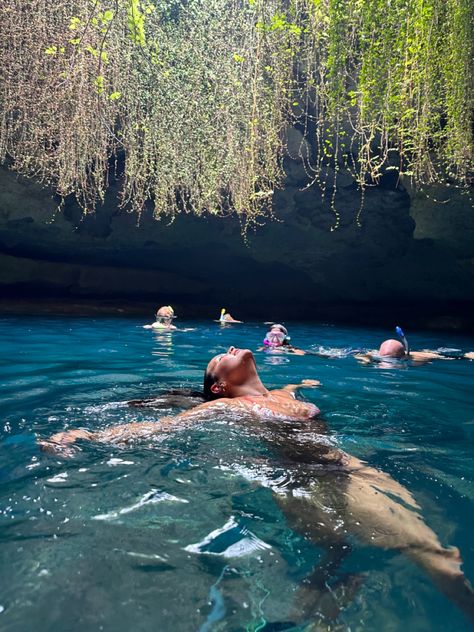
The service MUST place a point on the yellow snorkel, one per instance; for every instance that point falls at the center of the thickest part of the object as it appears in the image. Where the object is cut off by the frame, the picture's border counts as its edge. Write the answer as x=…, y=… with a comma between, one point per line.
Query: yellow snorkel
x=221, y=318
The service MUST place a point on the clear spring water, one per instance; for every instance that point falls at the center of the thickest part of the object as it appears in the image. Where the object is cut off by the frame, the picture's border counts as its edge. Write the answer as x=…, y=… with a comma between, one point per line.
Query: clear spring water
x=181, y=535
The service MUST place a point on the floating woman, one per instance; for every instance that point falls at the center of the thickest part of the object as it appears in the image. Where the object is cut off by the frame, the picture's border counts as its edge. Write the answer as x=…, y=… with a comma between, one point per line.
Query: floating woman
x=334, y=495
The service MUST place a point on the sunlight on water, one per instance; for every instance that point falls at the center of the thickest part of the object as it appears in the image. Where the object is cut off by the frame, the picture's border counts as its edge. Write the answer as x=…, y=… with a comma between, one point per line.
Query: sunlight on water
x=190, y=532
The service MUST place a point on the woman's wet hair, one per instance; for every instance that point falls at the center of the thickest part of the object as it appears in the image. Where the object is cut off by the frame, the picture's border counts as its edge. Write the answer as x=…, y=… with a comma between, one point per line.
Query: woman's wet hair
x=209, y=380
x=184, y=398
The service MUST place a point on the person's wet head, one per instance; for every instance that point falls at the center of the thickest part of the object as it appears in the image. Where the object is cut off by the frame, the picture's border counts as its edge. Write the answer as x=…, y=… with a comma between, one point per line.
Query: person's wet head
x=280, y=328
x=392, y=349
x=274, y=338
x=165, y=315
x=232, y=374
x=277, y=336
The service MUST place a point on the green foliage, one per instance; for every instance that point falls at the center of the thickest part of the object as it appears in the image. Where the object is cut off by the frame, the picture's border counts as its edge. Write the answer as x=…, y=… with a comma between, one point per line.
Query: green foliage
x=196, y=95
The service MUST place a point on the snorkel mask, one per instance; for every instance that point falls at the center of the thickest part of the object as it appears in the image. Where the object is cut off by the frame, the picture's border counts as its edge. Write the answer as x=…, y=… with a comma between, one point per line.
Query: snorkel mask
x=274, y=338
x=401, y=335
x=166, y=320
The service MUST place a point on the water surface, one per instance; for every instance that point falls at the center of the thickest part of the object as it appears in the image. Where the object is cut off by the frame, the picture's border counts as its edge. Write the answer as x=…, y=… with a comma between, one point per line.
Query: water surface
x=185, y=534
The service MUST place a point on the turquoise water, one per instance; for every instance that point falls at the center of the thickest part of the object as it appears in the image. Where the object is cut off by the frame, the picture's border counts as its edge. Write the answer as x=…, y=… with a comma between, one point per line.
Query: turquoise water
x=185, y=534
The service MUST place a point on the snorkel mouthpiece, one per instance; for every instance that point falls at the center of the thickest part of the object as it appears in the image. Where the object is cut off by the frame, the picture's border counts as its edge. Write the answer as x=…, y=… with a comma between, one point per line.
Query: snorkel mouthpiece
x=401, y=335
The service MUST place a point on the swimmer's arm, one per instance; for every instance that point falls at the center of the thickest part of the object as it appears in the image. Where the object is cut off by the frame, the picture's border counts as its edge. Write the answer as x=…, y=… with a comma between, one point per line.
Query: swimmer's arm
x=62, y=442
x=433, y=355
x=426, y=355
x=364, y=358
x=296, y=351
x=292, y=388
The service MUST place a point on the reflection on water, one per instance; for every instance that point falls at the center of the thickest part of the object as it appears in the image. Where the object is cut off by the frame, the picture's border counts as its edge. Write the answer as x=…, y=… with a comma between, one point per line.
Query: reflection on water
x=274, y=359
x=163, y=346
x=230, y=541
x=188, y=534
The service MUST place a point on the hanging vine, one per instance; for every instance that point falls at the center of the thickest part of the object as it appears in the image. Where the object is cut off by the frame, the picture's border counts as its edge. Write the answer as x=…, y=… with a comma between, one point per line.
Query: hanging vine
x=193, y=97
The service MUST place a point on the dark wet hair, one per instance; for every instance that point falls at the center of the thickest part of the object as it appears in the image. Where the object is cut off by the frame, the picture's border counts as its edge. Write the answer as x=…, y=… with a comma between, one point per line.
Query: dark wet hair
x=209, y=380
x=173, y=398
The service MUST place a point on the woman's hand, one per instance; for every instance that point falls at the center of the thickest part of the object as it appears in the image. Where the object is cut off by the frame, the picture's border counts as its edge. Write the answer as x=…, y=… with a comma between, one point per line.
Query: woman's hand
x=292, y=388
x=310, y=383
x=62, y=442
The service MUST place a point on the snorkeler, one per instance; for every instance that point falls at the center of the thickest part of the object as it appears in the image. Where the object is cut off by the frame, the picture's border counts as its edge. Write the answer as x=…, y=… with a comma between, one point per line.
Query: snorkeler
x=398, y=350
x=277, y=340
x=333, y=494
x=164, y=319
x=225, y=318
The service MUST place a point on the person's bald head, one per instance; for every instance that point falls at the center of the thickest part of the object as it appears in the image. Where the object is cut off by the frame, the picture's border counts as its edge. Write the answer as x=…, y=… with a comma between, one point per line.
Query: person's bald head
x=392, y=349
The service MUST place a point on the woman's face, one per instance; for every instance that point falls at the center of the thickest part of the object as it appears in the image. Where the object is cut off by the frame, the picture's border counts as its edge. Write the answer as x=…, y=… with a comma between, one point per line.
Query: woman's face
x=165, y=312
x=234, y=368
x=275, y=337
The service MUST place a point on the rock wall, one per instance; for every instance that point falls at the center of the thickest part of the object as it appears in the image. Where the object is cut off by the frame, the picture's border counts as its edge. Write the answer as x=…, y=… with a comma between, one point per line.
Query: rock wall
x=409, y=252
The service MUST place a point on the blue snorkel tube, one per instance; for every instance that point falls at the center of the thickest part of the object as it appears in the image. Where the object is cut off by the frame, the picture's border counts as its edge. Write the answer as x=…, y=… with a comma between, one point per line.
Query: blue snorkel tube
x=401, y=335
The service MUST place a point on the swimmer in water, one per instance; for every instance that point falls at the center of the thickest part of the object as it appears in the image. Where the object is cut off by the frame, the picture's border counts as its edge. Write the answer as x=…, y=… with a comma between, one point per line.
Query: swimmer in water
x=392, y=350
x=225, y=318
x=164, y=319
x=333, y=494
x=277, y=340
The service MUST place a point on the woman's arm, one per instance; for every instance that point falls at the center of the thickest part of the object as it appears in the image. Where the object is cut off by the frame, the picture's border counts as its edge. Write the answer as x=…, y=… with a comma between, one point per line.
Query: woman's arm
x=62, y=442
x=364, y=358
x=292, y=388
x=426, y=356
x=295, y=350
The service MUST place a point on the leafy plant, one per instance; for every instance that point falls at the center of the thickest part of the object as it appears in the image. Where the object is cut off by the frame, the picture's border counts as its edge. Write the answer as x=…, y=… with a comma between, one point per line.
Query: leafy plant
x=196, y=96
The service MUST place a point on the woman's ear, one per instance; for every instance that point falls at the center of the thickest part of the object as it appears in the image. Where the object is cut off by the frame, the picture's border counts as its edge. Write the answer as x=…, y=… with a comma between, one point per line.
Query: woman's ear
x=218, y=388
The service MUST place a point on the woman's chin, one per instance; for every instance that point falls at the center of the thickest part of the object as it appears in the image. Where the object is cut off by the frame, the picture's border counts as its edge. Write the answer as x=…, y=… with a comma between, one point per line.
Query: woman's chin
x=245, y=354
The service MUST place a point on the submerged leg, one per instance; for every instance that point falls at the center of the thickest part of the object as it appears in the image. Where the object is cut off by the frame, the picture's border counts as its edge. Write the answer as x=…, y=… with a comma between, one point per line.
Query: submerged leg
x=372, y=506
x=383, y=513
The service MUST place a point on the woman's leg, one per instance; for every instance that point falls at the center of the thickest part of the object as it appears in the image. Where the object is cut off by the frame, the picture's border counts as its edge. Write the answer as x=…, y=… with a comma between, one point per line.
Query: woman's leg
x=381, y=512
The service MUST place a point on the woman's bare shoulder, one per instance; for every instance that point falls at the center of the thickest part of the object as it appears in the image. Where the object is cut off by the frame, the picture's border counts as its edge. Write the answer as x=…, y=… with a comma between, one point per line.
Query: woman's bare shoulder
x=217, y=405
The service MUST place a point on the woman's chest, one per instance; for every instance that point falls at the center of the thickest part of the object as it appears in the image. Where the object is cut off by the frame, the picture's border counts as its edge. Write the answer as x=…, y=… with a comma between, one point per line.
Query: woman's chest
x=275, y=406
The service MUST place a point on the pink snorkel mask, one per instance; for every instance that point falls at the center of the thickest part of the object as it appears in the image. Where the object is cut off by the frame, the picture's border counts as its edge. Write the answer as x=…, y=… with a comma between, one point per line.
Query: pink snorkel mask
x=274, y=338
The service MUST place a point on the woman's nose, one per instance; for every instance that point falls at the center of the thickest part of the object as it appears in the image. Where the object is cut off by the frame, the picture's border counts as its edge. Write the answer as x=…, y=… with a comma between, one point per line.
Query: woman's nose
x=231, y=350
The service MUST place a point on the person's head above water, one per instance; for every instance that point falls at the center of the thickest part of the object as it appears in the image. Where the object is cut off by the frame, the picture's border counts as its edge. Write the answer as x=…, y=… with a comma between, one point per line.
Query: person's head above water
x=232, y=374
x=277, y=336
x=392, y=349
x=226, y=317
x=165, y=314
x=274, y=338
x=278, y=327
